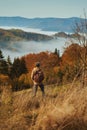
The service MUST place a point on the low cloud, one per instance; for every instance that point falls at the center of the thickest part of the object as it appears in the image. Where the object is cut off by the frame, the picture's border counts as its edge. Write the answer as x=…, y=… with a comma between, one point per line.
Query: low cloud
x=18, y=49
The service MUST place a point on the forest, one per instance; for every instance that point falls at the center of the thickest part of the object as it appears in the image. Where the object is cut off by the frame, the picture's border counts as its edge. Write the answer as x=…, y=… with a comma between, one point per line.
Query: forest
x=57, y=69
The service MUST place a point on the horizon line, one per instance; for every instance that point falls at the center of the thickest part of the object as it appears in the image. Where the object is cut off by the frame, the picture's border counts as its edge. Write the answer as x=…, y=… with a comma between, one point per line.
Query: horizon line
x=42, y=17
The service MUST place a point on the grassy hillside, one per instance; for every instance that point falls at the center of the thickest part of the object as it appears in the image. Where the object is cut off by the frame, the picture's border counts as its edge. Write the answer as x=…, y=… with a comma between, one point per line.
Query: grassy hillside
x=63, y=108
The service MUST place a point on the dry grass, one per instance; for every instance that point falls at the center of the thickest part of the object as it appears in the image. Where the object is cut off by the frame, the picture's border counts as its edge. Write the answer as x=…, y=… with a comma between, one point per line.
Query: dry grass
x=68, y=113
x=63, y=108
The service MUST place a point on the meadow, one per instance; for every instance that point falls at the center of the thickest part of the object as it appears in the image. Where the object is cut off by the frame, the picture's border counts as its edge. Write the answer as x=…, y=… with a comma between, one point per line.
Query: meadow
x=63, y=108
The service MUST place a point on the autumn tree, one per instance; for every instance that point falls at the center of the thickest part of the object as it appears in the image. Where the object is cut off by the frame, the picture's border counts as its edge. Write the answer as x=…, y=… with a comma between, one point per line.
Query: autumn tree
x=80, y=30
x=49, y=62
x=70, y=61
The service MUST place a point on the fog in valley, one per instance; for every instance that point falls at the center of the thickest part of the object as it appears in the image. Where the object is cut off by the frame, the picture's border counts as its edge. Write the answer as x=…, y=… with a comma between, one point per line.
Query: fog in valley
x=18, y=49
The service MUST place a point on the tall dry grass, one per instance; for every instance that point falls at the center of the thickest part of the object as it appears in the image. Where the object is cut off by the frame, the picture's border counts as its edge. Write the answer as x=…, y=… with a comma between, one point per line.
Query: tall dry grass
x=63, y=108
x=68, y=112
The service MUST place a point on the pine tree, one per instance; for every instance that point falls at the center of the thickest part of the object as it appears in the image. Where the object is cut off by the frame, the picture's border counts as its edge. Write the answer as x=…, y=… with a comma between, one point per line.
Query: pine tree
x=57, y=52
x=18, y=68
x=1, y=55
x=3, y=64
x=23, y=67
x=9, y=65
x=9, y=60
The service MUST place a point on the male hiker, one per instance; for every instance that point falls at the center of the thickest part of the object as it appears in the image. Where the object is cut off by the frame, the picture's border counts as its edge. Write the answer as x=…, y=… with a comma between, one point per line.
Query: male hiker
x=37, y=76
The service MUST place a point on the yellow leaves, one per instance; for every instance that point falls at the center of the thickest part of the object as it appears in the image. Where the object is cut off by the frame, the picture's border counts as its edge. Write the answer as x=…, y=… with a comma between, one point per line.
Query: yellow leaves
x=25, y=79
x=56, y=69
x=4, y=79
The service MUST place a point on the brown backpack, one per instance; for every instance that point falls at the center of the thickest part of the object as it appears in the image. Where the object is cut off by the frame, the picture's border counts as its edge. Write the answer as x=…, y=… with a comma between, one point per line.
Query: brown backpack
x=38, y=76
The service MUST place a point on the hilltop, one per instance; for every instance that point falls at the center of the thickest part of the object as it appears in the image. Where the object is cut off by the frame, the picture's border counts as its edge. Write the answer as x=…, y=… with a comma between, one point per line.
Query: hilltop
x=20, y=35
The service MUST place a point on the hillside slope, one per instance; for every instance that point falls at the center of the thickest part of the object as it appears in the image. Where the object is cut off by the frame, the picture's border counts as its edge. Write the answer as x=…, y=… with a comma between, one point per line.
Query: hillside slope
x=63, y=108
x=19, y=35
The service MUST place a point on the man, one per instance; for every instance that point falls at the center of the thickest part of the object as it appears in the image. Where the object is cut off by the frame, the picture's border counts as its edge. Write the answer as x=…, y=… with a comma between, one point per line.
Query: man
x=37, y=79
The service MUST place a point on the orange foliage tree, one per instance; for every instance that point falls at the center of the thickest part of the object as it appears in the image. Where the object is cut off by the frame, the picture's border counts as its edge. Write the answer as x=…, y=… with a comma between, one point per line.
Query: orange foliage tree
x=48, y=61
x=71, y=61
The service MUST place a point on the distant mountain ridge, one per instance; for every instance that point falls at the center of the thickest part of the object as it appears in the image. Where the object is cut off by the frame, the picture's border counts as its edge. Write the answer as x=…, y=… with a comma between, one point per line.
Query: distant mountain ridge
x=45, y=24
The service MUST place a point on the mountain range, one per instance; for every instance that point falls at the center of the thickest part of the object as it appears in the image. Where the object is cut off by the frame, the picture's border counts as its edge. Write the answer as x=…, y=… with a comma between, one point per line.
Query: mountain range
x=45, y=24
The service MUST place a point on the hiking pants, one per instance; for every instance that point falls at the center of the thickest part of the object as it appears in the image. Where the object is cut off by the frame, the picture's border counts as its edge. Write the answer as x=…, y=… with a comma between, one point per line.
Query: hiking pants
x=35, y=87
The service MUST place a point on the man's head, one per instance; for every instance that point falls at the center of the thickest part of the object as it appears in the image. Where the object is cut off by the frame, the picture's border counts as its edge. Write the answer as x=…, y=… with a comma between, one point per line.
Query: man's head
x=37, y=64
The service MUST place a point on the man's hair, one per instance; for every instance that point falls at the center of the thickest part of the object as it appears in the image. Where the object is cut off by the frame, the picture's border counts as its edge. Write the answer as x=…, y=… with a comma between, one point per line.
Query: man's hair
x=37, y=64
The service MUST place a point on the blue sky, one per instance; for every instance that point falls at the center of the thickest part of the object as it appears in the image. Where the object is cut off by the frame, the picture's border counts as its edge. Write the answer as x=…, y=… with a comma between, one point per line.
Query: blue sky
x=43, y=8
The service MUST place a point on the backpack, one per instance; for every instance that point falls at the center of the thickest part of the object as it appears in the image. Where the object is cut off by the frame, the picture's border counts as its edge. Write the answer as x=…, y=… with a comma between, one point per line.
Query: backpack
x=38, y=76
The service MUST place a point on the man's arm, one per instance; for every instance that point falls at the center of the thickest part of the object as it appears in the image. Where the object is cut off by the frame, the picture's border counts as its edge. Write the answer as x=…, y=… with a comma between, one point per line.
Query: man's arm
x=32, y=73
